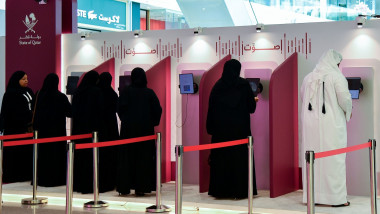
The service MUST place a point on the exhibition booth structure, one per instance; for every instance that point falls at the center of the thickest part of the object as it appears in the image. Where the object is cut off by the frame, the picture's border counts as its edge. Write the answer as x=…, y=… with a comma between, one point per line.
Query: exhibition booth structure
x=279, y=57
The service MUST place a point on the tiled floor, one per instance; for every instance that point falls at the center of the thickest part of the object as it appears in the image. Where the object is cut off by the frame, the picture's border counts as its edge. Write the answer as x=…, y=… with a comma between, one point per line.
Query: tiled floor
x=193, y=202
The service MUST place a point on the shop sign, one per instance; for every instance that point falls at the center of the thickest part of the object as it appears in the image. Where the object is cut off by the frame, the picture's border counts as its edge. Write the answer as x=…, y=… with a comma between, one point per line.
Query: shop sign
x=102, y=13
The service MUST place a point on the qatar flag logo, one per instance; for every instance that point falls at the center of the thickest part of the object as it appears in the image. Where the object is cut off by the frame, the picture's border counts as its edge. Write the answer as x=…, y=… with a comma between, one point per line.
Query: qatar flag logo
x=29, y=22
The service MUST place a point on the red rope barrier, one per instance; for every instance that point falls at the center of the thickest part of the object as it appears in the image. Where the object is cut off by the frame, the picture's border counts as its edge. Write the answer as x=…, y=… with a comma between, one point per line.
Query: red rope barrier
x=47, y=140
x=342, y=150
x=16, y=136
x=214, y=145
x=115, y=142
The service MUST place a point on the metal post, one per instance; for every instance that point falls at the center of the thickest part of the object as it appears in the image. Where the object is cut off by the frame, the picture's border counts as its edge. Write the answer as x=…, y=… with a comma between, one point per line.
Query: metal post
x=34, y=200
x=1, y=174
x=250, y=174
x=96, y=203
x=69, y=178
x=310, y=182
x=372, y=161
x=158, y=208
x=178, y=179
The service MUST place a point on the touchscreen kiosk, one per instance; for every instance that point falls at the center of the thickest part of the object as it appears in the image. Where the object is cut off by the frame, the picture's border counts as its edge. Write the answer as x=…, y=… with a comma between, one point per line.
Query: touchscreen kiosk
x=354, y=94
x=354, y=86
x=255, y=85
x=72, y=82
x=124, y=82
x=186, y=84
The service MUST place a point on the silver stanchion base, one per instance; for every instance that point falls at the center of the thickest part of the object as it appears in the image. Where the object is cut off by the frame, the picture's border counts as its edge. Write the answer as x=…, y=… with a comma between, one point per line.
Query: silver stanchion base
x=155, y=209
x=31, y=201
x=97, y=204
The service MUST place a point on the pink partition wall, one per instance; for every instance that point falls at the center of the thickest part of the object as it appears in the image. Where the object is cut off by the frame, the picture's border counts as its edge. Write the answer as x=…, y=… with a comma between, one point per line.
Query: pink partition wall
x=260, y=128
x=283, y=126
x=159, y=80
x=207, y=82
x=190, y=130
x=107, y=66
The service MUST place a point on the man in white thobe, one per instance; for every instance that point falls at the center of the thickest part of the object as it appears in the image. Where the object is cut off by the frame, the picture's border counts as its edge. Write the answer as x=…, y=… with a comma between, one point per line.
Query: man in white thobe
x=326, y=107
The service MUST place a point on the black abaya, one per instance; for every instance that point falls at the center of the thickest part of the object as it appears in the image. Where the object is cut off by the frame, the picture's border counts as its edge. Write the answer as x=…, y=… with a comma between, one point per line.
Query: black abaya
x=87, y=110
x=139, y=111
x=52, y=108
x=109, y=132
x=230, y=105
x=16, y=115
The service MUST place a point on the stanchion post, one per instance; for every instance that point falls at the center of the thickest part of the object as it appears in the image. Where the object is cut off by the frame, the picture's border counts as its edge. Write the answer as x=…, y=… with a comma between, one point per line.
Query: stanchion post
x=69, y=178
x=158, y=208
x=250, y=175
x=310, y=181
x=1, y=174
x=372, y=161
x=178, y=179
x=95, y=203
x=34, y=200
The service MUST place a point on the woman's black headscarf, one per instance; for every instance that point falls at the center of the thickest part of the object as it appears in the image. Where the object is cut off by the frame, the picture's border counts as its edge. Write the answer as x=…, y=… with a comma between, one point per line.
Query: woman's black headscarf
x=13, y=82
x=231, y=71
x=105, y=80
x=89, y=79
x=138, y=77
x=50, y=83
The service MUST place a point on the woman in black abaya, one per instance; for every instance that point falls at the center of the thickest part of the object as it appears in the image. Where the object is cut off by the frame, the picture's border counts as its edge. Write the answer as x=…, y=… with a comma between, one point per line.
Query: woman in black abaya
x=139, y=112
x=87, y=108
x=230, y=104
x=15, y=117
x=110, y=132
x=51, y=111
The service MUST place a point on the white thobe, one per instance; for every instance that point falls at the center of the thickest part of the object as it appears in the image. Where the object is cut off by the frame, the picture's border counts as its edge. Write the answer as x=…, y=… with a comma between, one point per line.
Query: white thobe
x=324, y=132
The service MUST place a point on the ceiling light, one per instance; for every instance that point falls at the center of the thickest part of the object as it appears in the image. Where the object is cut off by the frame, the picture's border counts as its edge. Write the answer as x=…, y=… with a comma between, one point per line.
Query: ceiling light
x=41, y=1
x=84, y=35
x=137, y=33
x=197, y=30
x=360, y=21
x=259, y=27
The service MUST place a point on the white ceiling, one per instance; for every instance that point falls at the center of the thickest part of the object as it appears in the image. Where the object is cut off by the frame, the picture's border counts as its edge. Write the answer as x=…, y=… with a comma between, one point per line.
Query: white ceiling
x=2, y=4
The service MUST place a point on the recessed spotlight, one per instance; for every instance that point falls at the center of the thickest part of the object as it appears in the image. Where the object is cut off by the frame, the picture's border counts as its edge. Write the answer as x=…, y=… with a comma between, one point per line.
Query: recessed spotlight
x=84, y=35
x=197, y=30
x=259, y=27
x=137, y=33
x=361, y=20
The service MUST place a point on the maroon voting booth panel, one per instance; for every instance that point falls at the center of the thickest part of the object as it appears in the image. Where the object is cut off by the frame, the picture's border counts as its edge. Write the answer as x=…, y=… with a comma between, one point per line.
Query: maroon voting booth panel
x=283, y=125
x=159, y=80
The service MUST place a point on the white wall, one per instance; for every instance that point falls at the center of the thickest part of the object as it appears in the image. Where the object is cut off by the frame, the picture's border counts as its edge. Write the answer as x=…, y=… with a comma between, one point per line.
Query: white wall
x=2, y=67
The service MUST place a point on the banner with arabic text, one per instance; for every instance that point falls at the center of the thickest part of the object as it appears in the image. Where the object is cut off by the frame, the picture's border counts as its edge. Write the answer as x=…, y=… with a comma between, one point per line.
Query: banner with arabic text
x=102, y=14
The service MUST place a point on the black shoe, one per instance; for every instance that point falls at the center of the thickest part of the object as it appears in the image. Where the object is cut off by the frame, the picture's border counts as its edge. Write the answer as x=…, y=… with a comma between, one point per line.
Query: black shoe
x=140, y=193
x=122, y=193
